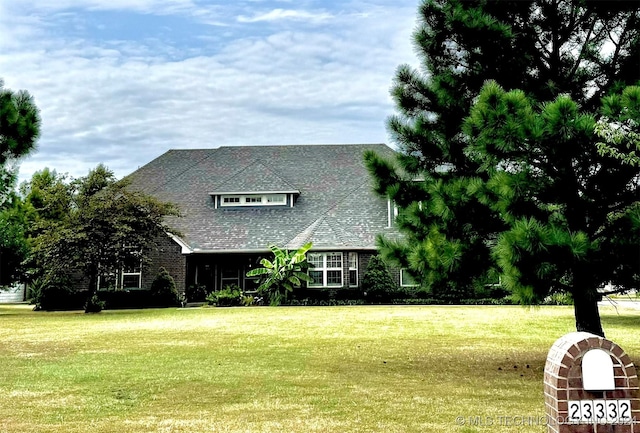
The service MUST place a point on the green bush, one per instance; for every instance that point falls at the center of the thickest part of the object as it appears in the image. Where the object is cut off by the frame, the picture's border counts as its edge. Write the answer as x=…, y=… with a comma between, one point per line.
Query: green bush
x=163, y=292
x=558, y=299
x=54, y=294
x=196, y=293
x=377, y=283
x=230, y=296
x=94, y=305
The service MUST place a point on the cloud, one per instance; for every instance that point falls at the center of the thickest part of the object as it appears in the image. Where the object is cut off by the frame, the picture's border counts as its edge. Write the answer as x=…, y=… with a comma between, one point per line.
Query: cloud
x=122, y=100
x=286, y=14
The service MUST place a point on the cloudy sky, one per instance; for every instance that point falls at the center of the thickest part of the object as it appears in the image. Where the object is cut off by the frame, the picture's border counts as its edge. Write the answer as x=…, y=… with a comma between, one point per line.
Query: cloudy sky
x=120, y=82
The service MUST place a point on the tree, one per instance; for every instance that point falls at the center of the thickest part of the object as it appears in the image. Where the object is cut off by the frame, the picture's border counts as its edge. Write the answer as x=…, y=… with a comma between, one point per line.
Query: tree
x=377, y=283
x=280, y=276
x=13, y=242
x=107, y=226
x=19, y=131
x=451, y=223
x=163, y=290
x=572, y=215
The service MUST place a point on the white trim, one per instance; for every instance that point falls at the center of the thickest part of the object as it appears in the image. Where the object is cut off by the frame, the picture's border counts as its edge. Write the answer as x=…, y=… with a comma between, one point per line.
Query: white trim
x=392, y=212
x=354, y=268
x=253, y=200
x=183, y=245
x=324, y=269
x=293, y=191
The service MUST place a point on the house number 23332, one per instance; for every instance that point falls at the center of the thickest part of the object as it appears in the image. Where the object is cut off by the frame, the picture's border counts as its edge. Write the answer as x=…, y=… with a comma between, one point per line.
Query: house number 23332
x=600, y=411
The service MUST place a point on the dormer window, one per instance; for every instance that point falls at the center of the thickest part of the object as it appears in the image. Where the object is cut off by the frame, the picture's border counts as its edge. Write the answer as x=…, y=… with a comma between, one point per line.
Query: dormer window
x=281, y=199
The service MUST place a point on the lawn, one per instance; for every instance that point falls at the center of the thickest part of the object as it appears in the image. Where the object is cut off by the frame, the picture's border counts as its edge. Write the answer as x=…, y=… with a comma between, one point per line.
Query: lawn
x=285, y=369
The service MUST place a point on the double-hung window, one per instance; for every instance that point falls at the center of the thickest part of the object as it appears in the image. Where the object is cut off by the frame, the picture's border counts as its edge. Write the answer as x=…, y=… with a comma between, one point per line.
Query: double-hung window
x=325, y=269
x=129, y=276
x=353, y=269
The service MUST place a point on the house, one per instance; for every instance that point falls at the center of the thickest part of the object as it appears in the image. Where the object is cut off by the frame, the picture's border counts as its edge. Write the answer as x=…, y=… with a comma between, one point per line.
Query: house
x=236, y=201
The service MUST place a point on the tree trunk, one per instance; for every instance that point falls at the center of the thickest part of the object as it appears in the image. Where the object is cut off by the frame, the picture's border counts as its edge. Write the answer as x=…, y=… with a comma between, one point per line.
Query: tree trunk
x=93, y=288
x=585, y=304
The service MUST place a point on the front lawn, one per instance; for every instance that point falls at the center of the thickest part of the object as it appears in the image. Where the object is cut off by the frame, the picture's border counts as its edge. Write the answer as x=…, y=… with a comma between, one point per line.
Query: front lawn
x=285, y=369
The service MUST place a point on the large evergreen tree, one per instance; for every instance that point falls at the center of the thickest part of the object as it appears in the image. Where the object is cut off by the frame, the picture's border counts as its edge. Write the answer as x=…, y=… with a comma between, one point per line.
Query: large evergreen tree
x=461, y=196
x=19, y=131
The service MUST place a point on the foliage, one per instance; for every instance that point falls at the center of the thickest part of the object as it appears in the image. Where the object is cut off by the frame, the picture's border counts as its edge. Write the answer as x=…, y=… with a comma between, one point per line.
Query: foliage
x=280, y=276
x=462, y=201
x=558, y=299
x=92, y=226
x=53, y=293
x=196, y=293
x=163, y=292
x=249, y=300
x=94, y=304
x=229, y=296
x=619, y=128
x=14, y=247
x=377, y=282
x=19, y=131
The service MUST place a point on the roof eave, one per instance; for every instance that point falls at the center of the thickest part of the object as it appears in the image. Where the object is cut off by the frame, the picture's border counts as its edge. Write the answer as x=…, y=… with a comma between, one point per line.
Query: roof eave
x=253, y=192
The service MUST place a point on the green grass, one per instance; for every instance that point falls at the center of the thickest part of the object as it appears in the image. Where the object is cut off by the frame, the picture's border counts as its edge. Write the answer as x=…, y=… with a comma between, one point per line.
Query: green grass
x=327, y=369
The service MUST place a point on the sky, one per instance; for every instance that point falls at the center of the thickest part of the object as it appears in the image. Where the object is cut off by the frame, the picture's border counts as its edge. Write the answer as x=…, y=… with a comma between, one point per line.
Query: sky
x=120, y=82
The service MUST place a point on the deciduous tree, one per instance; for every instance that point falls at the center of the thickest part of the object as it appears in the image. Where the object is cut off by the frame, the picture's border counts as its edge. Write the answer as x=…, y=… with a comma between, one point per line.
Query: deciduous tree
x=107, y=226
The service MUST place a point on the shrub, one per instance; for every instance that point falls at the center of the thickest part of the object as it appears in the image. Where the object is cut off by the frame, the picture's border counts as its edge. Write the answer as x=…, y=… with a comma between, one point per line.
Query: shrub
x=377, y=282
x=54, y=294
x=94, y=305
x=163, y=292
x=558, y=299
x=279, y=276
x=196, y=293
x=230, y=296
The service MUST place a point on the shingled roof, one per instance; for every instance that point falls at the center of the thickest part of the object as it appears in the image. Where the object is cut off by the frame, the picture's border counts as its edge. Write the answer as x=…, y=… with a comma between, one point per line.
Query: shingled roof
x=335, y=207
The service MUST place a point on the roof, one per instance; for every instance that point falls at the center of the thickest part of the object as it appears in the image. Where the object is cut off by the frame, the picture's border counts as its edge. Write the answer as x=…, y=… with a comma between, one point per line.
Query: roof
x=336, y=207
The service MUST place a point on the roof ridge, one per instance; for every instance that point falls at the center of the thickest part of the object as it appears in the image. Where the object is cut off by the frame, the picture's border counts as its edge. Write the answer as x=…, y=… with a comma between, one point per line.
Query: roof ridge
x=177, y=175
x=310, y=229
x=253, y=164
x=303, y=237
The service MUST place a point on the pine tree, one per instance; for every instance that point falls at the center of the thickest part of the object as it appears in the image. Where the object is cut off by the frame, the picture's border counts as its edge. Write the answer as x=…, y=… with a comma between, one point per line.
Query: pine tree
x=19, y=131
x=453, y=203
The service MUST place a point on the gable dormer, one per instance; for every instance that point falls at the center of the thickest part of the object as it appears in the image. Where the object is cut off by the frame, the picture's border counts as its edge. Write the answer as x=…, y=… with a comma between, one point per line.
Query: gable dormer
x=254, y=186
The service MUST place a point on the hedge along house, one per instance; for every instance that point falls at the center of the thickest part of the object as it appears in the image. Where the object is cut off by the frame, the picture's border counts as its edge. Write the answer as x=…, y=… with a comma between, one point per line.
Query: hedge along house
x=236, y=201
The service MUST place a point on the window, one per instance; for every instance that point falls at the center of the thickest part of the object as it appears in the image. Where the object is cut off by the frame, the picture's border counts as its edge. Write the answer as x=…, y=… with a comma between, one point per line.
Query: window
x=277, y=198
x=406, y=280
x=129, y=276
x=254, y=200
x=353, y=269
x=392, y=213
x=229, y=276
x=326, y=269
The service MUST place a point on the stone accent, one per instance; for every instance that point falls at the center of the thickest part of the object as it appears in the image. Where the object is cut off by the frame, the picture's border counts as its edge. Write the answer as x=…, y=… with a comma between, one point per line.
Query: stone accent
x=563, y=383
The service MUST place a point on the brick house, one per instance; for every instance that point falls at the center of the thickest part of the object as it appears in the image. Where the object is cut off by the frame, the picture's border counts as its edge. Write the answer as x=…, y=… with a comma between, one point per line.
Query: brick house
x=236, y=201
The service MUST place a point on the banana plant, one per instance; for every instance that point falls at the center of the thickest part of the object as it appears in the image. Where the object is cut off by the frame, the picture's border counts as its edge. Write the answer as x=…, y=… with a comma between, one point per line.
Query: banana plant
x=279, y=276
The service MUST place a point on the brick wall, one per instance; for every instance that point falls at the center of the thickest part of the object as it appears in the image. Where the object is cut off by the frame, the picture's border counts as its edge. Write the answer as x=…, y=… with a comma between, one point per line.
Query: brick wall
x=166, y=254
x=563, y=383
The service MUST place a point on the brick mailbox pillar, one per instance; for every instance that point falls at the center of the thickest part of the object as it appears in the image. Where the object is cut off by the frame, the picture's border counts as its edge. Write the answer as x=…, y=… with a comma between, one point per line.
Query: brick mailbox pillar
x=590, y=386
